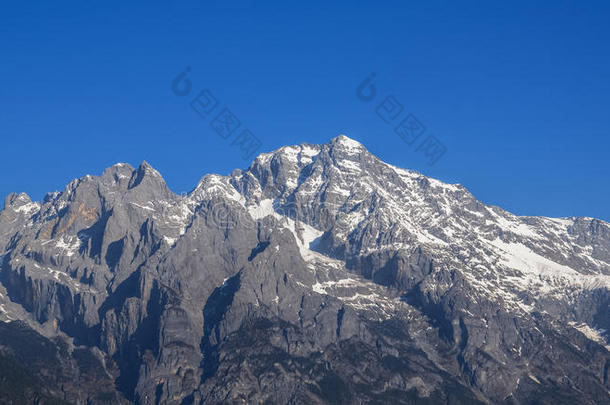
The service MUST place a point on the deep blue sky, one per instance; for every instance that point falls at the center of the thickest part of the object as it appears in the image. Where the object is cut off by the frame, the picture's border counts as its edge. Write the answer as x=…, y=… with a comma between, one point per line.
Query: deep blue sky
x=518, y=93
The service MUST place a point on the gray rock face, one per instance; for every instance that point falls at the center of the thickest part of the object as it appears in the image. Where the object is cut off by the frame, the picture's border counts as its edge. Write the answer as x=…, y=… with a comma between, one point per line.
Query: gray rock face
x=318, y=275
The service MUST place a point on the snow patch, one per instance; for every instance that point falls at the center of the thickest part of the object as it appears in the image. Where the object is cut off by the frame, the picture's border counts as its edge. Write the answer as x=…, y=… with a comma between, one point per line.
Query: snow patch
x=28, y=208
x=262, y=209
x=595, y=335
x=144, y=207
x=69, y=245
x=170, y=241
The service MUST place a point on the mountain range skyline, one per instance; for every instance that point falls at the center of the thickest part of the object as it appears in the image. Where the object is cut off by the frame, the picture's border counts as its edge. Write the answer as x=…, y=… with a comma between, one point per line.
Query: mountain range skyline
x=283, y=281
x=147, y=164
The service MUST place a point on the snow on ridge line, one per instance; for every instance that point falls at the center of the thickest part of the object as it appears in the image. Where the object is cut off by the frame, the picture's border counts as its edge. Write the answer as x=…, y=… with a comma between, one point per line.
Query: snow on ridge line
x=28, y=208
x=303, y=153
x=349, y=142
x=414, y=175
x=348, y=145
x=214, y=183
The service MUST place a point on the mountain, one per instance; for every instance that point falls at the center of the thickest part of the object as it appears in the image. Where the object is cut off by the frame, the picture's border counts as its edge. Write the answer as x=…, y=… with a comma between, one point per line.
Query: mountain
x=319, y=275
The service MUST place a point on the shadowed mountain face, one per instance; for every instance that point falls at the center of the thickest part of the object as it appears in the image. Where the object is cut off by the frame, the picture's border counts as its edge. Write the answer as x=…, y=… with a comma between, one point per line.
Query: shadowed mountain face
x=318, y=275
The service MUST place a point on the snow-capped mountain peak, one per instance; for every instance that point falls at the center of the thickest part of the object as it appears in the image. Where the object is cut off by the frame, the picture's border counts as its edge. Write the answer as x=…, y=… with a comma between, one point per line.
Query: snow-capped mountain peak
x=328, y=245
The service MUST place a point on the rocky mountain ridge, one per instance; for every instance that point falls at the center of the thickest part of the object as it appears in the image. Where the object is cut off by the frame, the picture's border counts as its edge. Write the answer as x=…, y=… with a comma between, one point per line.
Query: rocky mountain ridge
x=320, y=274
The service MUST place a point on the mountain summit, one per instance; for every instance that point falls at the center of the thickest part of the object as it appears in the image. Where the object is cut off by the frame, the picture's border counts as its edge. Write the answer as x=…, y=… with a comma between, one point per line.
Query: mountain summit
x=319, y=274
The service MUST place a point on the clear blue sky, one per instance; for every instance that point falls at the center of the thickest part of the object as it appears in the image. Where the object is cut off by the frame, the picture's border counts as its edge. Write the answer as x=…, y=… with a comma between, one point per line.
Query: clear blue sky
x=518, y=93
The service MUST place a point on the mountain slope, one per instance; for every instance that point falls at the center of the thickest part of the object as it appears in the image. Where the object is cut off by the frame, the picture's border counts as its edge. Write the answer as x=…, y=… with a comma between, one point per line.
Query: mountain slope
x=318, y=275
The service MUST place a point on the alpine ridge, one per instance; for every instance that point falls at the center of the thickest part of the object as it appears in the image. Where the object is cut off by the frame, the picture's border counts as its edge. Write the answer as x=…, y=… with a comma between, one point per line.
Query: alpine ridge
x=318, y=275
